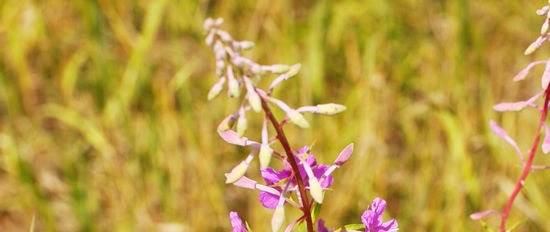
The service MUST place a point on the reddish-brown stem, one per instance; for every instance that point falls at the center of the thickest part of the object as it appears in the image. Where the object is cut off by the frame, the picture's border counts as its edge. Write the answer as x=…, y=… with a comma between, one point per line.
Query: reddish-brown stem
x=291, y=159
x=527, y=166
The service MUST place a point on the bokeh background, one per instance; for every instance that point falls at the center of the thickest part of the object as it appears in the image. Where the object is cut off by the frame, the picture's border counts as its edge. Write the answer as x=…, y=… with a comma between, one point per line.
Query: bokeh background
x=105, y=126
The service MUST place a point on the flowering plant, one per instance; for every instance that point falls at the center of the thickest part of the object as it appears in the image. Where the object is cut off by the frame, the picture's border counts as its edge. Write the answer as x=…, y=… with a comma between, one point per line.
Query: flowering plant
x=527, y=164
x=302, y=181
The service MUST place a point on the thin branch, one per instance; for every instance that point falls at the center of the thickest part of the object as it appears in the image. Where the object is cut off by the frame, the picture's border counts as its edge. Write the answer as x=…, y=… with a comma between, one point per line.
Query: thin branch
x=528, y=164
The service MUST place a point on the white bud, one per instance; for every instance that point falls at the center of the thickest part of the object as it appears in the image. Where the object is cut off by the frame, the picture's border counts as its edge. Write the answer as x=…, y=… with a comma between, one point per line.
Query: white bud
x=236, y=173
x=278, y=218
x=241, y=125
x=316, y=190
x=294, y=69
x=330, y=108
x=254, y=100
x=278, y=68
x=216, y=89
x=297, y=118
x=544, y=27
x=265, y=155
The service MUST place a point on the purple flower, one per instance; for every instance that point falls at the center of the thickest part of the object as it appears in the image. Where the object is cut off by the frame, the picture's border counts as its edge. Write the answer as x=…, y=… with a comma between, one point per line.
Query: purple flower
x=274, y=178
x=372, y=218
x=321, y=226
x=236, y=222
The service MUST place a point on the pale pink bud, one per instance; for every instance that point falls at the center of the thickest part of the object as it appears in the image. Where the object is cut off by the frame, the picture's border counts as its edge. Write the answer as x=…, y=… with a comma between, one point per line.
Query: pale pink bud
x=216, y=89
x=233, y=85
x=241, y=125
x=257, y=70
x=243, y=45
x=278, y=218
x=253, y=97
x=297, y=118
x=224, y=36
x=208, y=23
x=237, y=172
x=316, y=190
x=294, y=69
x=544, y=27
x=344, y=155
x=535, y=45
x=209, y=38
x=265, y=155
x=330, y=108
x=277, y=68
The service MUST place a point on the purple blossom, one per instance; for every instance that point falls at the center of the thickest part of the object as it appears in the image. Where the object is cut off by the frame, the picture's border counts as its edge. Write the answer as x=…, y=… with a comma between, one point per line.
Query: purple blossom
x=274, y=178
x=321, y=226
x=236, y=222
x=372, y=218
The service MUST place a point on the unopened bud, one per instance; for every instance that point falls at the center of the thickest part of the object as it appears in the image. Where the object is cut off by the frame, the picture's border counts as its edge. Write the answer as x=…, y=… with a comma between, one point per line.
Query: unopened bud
x=265, y=155
x=316, y=190
x=344, y=155
x=254, y=100
x=236, y=173
x=544, y=27
x=208, y=23
x=243, y=45
x=330, y=108
x=216, y=89
x=294, y=69
x=278, y=218
x=278, y=68
x=298, y=119
x=257, y=69
x=534, y=46
x=241, y=125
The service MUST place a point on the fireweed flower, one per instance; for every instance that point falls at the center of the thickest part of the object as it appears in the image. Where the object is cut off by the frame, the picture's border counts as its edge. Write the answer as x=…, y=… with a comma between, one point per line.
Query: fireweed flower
x=321, y=226
x=236, y=222
x=372, y=218
x=276, y=178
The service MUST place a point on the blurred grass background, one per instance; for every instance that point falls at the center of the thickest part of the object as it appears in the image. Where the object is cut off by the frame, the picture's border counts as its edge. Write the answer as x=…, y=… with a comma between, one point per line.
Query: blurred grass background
x=104, y=123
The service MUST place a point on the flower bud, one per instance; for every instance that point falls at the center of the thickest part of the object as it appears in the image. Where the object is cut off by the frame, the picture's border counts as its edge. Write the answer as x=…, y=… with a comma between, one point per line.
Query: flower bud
x=216, y=89
x=294, y=69
x=241, y=125
x=208, y=23
x=330, y=108
x=344, y=155
x=544, y=27
x=265, y=155
x=278, y=218
x=297, y=118
x=234, y=90
x=236, y=173
x=278, y=68
x=316, y=190
x=254, y=100
x=257, y=70
x=243, y=45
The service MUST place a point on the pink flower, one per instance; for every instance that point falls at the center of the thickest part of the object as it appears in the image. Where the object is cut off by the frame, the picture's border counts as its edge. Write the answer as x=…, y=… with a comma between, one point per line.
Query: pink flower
x=372, y=218
x=236, y=222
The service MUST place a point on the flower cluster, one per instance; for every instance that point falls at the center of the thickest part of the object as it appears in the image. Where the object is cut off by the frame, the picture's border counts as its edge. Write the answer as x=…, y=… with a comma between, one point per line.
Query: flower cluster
x=527, y=164
x=302, y=181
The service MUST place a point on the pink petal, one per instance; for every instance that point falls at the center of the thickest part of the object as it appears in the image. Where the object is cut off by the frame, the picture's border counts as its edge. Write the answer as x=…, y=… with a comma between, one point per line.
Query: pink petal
x=479, y=215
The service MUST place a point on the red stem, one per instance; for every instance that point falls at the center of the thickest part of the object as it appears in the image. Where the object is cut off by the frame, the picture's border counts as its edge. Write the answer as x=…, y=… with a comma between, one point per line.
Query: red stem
x=291, y=159
x=528, y=164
